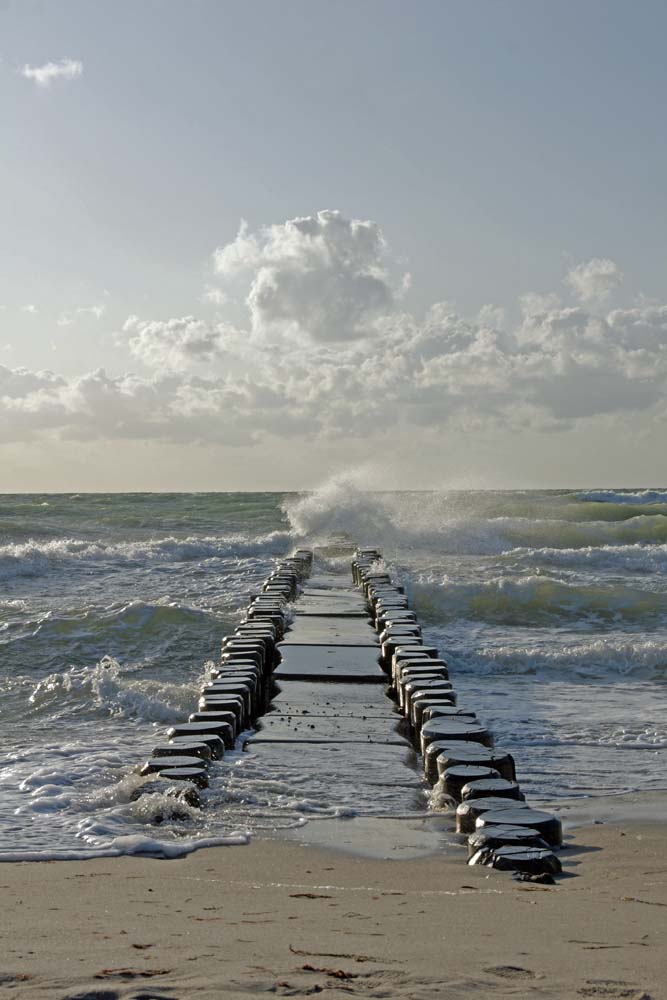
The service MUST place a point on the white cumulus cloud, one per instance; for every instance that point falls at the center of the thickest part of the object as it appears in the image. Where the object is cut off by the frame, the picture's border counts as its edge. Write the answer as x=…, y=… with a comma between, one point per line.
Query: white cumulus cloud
x=175, y=343
x=322, y=277
x=595, y=280
x=45, y=75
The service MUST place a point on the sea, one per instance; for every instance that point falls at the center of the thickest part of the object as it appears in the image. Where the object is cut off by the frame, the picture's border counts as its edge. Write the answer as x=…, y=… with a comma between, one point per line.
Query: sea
x=549, y=606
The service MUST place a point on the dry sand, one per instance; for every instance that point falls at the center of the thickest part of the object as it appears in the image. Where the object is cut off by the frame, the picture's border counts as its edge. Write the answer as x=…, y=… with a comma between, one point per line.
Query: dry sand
x=283, y=919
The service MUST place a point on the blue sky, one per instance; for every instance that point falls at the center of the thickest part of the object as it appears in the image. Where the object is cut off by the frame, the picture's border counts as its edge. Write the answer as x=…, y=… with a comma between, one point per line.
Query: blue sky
x=497, y=146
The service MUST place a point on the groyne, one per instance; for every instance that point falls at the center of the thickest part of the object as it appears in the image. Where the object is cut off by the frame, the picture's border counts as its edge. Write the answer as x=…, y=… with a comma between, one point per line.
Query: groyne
x=325, y=658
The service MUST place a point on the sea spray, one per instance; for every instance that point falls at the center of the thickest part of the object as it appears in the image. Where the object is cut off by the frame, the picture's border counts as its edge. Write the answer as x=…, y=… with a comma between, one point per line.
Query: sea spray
x=460, y=523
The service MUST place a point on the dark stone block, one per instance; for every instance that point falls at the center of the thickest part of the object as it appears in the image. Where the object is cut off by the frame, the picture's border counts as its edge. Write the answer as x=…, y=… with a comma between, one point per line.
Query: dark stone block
x=410, y=685
x=250, y=660
x=548, y=826
x=223, y=702
x=196, y=729
x=398, y=664
x=213, y=716
x=504, y=836
x=443, y=754
x=214, y=743
x=469, y=812
x=239, y=688
x=453, y=729
x=394, y=616
x=407, y=630
x=425, y=710
x=243, y=677
x=497, y=787
x=189, y=749
x=214, y=713
x=191, y=774
x=531, y=860
x=173, y=760
x=239, y=668
x=454, y=778
x=418, y=663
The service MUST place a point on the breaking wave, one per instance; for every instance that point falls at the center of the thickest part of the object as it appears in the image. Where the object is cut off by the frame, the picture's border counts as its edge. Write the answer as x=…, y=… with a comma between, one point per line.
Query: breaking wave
x=637, y=558
x=557, y=534
x=532, y=600
x=432, y=523
x=164, y=633
x=597, y=658
x=108, y=689
x=147, y=620
x=624, y=496
x=34, y=558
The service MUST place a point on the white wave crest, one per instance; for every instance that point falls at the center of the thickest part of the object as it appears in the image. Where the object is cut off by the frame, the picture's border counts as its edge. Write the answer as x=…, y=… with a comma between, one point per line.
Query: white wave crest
x=34, y=558
x=15, y=604
x=524, y=532
x=624, y=496
x=596, y=658
x=106, y=688
x=637, y=558
x=532, y=599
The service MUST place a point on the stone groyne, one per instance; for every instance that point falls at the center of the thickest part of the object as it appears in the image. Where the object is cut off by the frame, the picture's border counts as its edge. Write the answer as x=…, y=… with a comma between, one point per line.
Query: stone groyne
x=329, y=657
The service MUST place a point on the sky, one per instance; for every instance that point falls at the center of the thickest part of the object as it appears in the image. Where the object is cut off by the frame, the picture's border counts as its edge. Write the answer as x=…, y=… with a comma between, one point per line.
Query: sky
x=249, y=246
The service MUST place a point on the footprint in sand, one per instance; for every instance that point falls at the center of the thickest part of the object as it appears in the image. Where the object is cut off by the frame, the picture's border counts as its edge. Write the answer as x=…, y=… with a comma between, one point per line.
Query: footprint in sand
x=615, y=988
x=94, y=995
x=510, y=972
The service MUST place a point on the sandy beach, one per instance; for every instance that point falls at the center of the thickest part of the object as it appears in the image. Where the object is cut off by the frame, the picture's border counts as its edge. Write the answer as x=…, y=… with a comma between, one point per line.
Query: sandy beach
x=290, y=920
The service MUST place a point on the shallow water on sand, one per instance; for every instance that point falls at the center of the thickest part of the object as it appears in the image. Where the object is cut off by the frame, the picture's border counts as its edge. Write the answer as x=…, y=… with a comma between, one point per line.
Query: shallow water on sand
x=551, y=608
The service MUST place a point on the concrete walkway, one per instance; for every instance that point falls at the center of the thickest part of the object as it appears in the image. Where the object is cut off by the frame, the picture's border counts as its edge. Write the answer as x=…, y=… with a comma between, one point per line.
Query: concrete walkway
x=330, y=687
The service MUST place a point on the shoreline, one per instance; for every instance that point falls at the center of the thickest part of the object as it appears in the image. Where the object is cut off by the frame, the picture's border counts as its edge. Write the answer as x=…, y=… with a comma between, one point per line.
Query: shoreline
x=419, y=835
x=432, y=834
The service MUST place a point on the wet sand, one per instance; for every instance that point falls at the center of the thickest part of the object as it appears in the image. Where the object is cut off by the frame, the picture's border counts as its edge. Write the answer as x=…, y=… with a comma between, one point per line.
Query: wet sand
x=283, y=919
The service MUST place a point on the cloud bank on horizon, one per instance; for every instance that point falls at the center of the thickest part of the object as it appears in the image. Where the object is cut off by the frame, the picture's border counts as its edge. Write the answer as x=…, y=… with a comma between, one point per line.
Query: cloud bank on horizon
x=330, y=350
